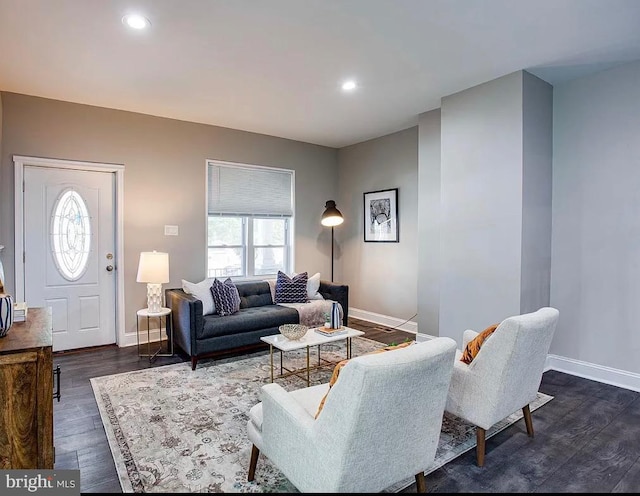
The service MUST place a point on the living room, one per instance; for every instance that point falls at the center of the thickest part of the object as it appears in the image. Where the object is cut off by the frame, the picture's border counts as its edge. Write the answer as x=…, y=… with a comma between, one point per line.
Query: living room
x=516, y=183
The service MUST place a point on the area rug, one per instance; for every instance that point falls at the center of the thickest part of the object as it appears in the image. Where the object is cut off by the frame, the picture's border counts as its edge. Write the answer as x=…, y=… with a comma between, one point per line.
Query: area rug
x=171, y=429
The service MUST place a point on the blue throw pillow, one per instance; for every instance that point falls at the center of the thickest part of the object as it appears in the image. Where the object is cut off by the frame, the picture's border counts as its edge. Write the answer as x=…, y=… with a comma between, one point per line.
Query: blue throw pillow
x=225, y=297
x=291, y=290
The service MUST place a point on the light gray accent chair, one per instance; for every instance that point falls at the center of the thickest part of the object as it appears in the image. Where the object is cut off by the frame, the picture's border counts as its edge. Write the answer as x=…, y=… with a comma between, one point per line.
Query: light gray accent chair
x=505, y=375
x=380, y=424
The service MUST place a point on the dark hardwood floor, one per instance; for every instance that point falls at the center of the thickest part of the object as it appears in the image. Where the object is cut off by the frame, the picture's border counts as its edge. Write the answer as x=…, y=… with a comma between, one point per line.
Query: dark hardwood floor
x=587, y=439
x=381, y=333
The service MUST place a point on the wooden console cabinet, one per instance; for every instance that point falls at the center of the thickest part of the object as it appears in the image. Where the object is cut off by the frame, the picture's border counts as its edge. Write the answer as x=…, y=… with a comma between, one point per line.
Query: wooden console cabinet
x=26, y=393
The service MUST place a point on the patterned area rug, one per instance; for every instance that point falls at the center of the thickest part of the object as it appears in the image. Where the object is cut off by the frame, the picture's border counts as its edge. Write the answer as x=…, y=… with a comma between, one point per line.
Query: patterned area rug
x=171, y=429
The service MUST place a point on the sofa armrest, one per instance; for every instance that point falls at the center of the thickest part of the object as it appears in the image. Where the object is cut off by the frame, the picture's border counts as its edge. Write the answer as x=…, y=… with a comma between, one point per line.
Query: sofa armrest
x=336, y=292
x=186, y=318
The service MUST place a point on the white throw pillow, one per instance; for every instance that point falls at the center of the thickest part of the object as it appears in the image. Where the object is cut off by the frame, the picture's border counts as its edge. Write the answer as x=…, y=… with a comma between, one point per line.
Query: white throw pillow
x=313, y=285
x=202, y=291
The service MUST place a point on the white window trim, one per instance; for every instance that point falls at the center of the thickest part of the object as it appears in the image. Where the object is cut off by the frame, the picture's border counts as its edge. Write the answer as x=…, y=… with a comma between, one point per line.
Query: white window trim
x=291, y=232
x=248, y=247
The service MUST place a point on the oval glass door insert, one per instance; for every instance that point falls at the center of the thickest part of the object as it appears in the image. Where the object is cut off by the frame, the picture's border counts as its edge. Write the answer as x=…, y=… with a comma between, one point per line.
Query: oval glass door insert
x=70, y=234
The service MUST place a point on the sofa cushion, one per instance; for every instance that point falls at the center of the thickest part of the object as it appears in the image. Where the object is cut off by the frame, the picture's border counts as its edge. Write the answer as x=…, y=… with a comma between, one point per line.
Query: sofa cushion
x=291, y=289
x=313, y=285
x=246, y=320
x=225, y=297
x=254, y=294
x=202, y=291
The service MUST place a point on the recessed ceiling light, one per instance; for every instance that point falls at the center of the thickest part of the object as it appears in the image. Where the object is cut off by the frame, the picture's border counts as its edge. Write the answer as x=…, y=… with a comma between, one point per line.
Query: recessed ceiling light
x=136, y=21
x=349, y=85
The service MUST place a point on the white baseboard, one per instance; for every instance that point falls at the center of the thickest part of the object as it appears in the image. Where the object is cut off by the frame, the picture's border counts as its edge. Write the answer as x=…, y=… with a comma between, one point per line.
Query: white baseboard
x=600, y=373
x=386, y=320
x=592, y=371
x=579, y=368
x=130, y=338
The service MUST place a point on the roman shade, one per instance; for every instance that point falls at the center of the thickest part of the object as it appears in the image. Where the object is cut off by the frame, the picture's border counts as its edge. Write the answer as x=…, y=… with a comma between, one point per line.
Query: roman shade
x=249, y=190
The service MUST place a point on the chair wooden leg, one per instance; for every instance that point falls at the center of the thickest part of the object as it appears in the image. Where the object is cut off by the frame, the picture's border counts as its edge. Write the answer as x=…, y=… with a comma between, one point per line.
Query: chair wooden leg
x=480, y=437
x=255, y=452
x=527, y=420
x=421, y=483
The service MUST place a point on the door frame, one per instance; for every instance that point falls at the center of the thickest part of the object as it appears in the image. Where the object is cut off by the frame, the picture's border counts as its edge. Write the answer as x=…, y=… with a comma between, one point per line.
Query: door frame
x=20, y=162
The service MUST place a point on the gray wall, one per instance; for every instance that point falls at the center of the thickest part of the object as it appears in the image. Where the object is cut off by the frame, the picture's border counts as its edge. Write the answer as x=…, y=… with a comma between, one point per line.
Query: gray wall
x=164, y=180
x=481, y=206
x=537, y=124
x=495, y=190
x=429, y=223
x=382, y=277
x=595, y=276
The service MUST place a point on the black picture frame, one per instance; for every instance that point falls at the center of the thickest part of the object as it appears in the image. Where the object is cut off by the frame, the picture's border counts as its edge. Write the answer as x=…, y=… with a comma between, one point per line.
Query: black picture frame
x=380, y=216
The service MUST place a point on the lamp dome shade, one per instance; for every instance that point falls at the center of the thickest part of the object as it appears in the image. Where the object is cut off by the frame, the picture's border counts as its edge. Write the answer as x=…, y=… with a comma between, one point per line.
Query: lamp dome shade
x=331, y=215
x=153, y=267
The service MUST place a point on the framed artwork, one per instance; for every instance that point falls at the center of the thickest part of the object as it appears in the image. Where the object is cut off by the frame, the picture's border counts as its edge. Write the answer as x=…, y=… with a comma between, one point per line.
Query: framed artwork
x=381, y=216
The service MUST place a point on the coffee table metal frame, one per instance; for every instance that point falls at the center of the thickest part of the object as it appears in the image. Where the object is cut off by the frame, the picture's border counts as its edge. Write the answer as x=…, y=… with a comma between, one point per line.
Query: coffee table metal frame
x=311, y=338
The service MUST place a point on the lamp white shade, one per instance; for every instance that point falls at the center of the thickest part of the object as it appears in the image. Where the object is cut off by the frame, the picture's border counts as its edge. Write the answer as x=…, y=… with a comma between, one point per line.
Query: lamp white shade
x=153, y=267
x=332, y=221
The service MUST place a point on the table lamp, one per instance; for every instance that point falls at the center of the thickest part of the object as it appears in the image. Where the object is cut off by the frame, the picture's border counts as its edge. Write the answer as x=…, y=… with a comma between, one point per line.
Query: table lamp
x=153, y=269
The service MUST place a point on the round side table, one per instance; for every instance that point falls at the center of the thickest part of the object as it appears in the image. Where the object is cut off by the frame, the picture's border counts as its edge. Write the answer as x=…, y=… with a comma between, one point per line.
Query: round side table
x=163, y=313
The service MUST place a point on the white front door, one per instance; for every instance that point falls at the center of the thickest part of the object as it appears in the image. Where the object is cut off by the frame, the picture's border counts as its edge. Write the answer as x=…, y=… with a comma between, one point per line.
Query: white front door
x=69, y=242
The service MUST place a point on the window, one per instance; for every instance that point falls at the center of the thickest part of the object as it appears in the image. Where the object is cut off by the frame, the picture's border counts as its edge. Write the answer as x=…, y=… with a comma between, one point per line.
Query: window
x=70, y=235
x=250, y=219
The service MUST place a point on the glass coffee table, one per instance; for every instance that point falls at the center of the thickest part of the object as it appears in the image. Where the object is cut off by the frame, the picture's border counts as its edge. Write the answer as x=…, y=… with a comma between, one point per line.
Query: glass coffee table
x=311, y=338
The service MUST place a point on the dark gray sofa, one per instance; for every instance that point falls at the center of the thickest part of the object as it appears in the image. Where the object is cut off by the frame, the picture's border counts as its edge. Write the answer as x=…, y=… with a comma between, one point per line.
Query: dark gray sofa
x=203, y=336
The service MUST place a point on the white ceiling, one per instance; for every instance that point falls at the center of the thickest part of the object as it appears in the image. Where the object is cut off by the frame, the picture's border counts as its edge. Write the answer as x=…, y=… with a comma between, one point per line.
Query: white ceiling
x=275, y=66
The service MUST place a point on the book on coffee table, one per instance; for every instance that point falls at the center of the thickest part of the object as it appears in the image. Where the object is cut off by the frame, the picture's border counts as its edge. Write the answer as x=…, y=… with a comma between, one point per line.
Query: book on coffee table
x=327, y=331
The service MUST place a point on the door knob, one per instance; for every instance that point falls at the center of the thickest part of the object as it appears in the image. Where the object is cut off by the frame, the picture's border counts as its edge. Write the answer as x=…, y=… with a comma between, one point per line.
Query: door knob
x=109, y=268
